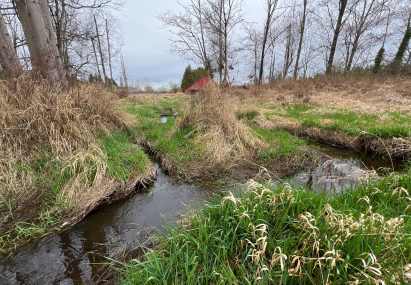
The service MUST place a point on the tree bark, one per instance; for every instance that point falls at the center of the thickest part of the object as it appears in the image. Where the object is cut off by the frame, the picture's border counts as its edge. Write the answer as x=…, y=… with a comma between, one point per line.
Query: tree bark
x=109, y=56
x=341, y=11
x=95, y=55
x=271, y=5
x=300, y=44
x=9, y=60
x=52, y=41
x=123, y=69
x=101, y=52
x=40, y=39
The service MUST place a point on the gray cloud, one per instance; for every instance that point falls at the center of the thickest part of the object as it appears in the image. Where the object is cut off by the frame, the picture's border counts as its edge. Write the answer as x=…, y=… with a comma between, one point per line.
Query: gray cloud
x=145, y=50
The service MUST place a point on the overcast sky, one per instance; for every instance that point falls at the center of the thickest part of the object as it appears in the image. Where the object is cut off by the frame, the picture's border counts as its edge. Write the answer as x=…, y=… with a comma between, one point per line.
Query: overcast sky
x=145, y=42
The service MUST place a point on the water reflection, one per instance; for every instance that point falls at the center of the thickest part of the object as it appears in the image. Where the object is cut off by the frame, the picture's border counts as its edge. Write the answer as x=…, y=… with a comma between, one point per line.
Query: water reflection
x=73, y=257
x=344, y=169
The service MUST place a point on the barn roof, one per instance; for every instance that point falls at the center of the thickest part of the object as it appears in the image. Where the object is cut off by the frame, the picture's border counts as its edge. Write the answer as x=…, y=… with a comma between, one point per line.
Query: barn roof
x=203, y=81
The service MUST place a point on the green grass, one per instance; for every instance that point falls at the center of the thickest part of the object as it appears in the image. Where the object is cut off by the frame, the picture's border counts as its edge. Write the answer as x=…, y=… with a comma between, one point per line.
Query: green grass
x=179, y=147
x=275, y=234
x=175, y=145
x=282, y=145
x=350, y=121
x=248, y=115
x=125, y=159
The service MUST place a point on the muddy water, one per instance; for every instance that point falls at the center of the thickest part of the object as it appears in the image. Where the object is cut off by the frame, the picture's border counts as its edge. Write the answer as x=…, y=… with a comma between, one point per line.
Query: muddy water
x=75, y=256
x=72, y=257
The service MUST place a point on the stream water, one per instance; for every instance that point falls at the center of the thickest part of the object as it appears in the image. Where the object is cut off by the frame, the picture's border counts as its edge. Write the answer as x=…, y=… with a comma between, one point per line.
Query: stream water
x=75, y=255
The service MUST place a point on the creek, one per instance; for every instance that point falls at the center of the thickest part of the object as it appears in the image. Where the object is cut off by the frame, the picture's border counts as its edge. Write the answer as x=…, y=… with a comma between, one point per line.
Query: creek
x=75, y=256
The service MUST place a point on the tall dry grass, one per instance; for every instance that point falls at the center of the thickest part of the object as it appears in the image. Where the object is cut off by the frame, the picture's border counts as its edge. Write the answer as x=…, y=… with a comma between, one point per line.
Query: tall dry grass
x=37, y=121
x=35, y=116
x=225, y=139
x=365, y=92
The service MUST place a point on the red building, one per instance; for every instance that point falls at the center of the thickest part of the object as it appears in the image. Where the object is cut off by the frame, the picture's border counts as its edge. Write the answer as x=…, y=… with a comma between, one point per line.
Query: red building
x=203, y=81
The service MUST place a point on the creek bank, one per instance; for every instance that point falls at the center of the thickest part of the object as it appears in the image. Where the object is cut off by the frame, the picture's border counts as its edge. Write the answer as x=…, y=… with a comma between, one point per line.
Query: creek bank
x=79, y=253
x=249, y=169
x=118, y=191
x=394, y=148
x=116, y=231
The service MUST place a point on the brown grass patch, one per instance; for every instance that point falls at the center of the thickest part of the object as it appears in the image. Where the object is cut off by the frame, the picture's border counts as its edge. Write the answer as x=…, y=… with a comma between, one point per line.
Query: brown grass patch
x=35, y=115
x=38, y=121
x=221, y=136
x=372, y=95
x=144, y=97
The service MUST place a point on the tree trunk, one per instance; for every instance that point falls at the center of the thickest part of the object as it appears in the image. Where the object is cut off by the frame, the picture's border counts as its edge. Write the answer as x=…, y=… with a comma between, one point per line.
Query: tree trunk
x=28, y=31
x=60, y=16
x=288, y=56
x=404, y=44
x=109, y=56
x=271, y=5
x=95, y=55
x=341, y=11
x=101, y=52
x=123, y=69
x=9, y=60
x=40, y=40
x=300, y=44
x=52, y=41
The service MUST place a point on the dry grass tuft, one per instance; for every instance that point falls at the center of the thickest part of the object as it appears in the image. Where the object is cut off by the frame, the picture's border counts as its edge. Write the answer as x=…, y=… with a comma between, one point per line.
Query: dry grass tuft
x=222, y=136
x=35, y=116
x=138, y=98
x=38, y=122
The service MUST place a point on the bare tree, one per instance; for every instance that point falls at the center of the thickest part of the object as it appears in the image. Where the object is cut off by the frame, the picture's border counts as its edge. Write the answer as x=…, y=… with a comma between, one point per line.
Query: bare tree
x=252, y=46
x=109, y=55
x=222, y=18
x=300, y=44
x=188, y=30
x=9, y=60
x=123, y=70
x=366, y=16
x=100, y=49
x=271, y=6
x=342, y=5
x=289, y=50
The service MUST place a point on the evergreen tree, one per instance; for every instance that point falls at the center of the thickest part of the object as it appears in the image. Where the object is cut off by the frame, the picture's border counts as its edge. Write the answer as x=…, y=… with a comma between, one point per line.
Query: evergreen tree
x=378, y=60
x=403, y=47
x=191, y=76
x=188, y=78
x=198, y=73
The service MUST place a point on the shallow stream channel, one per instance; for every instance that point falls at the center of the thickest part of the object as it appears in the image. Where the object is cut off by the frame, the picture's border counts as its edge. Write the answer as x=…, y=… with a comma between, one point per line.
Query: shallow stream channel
x=78, y=255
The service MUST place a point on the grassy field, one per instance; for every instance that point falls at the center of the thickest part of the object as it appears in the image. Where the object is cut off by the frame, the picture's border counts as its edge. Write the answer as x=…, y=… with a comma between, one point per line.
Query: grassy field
x=369, y=113
x=272, y=233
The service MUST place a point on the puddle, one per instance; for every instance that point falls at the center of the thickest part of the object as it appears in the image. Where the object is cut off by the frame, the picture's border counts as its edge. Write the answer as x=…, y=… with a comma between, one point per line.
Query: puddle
x=73, y=256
